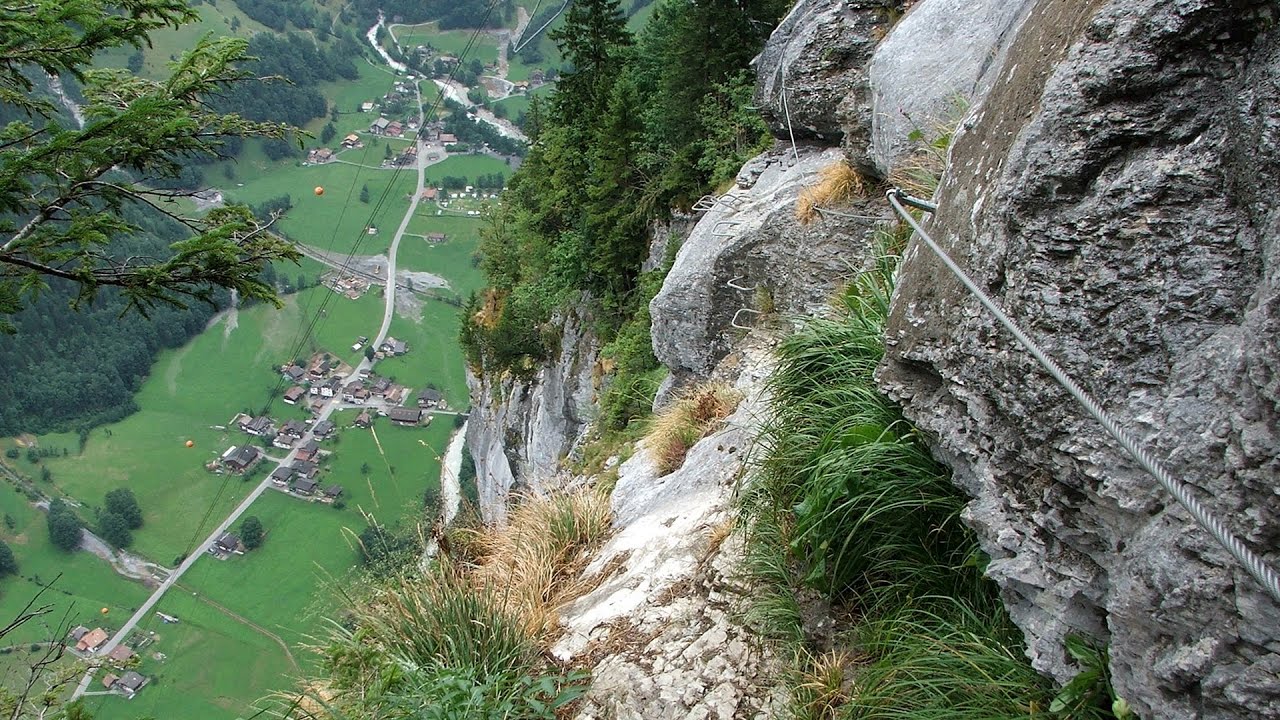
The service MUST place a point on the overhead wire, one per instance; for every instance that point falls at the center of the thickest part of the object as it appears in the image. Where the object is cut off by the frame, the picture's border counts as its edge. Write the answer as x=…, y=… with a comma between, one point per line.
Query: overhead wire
x=1253, y=563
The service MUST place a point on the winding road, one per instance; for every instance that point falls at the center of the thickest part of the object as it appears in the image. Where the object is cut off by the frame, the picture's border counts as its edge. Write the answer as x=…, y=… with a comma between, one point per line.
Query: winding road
x=199, y=550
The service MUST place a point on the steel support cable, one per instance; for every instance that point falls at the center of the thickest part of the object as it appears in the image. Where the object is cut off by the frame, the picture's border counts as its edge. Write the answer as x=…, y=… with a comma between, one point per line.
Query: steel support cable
x=1252, y=562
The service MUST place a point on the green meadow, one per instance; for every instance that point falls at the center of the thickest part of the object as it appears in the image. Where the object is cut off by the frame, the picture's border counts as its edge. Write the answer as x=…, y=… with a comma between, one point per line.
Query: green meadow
x=213, y=667
x=446, y=42
x=75, y=586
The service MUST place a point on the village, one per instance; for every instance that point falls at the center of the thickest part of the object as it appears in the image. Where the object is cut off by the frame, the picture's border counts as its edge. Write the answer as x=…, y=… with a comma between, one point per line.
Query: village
x=315, y=386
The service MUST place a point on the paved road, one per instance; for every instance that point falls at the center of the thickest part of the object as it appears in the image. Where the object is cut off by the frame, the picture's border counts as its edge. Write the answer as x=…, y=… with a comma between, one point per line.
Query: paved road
x=328, y=409
x=197, y=552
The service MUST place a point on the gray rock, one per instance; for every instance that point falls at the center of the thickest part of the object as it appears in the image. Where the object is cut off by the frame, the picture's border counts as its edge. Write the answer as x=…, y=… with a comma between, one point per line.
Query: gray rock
x=753, y=240
x=936, y=62
x=1113, y=192
x=521, y=431
x=813, y=70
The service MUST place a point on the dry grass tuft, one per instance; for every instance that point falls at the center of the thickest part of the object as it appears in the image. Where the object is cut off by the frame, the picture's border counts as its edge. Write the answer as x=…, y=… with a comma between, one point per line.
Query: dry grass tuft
x=690, y=418
x=536, y=561
x=837, y=183
x=826, y=684
x=490, y=309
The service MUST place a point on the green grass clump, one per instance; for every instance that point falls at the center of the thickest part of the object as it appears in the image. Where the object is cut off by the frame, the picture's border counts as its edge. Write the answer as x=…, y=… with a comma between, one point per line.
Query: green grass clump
x=850, y=509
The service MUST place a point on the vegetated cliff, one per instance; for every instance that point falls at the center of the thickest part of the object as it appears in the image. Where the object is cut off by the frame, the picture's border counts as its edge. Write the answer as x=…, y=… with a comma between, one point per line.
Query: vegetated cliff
x=1107, y=186
x=1111, y=191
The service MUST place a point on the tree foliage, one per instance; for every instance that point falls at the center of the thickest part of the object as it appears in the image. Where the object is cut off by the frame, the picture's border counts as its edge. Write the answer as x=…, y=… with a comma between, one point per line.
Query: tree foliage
x=251, y=533
x=63, y=188
x=8, y=563
x=113, y=528
x=636, y=126
x=122, y=502
x=64, y=526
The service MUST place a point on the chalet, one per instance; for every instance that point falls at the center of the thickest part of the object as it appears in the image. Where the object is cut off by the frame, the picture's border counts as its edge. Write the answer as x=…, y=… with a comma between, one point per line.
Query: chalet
x=379, y=126
x=323, y=429
x=429, y=398
x=226, y=543
x=331, y=387
x=363, y=420
x=294, y=429
x=448, y=138
x=293, y=372
x=331, y=493
x=259, y=427
x=380, y=387
x=240, y=459
x=78, y=632
x=394, y=128
x=396, y=394
x=321, y=155
x=356, y=393
x=399, y=347
x=109, y=680
x=304, y=486
x=351, y=140
x=280, y=476
x=436, y=238
x=284, y=442
x=305, y=469
x=131, y=683
x=430, y=194
x=405, y=416
x=309, y=451
x=92, y=640
x=121, y=654
x=320, y=368
x=537, y=77
x=294, y=394
x=366, y=106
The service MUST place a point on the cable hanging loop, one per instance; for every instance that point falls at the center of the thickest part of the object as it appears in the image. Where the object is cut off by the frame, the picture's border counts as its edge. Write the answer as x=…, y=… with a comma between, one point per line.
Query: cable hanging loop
x=1251, y=561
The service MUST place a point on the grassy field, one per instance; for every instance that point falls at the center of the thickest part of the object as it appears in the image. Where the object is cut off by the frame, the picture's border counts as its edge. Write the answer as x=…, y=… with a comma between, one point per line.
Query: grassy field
x=308, y=547
x=446, y=42
x=337, y=220
x=168, y=44
x=434, y=354
x=185, y=397
x=214, y=667
x=87, y=584
x=468, y=166
x=452, y=259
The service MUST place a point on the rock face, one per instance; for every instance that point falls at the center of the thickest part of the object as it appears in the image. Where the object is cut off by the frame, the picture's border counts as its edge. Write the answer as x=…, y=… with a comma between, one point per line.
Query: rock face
x=659, y=630
x=813, y=70
x=748, y=248
x=1113, y=192
x=520, y=431
x=939, y=58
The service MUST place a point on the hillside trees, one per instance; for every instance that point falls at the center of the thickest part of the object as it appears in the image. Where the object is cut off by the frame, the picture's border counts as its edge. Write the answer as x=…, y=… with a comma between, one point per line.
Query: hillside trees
x=122, y=502
x=251, y=533
x=64, y=526
x=636, y=126
x=62, y=188
x=8, y=564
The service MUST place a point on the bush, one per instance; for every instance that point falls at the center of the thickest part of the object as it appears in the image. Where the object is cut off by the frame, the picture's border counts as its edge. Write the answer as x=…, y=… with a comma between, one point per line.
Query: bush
x=688, y=419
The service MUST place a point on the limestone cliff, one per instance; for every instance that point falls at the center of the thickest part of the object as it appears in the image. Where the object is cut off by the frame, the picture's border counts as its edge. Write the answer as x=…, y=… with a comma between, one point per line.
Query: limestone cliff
x=1108, y=186
x=1112, y=192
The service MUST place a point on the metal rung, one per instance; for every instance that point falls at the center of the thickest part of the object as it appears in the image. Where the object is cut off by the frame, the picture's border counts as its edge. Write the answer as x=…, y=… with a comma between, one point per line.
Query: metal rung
x=734, y=320
x=716, y=231
x=708, y=202
x=734, y=284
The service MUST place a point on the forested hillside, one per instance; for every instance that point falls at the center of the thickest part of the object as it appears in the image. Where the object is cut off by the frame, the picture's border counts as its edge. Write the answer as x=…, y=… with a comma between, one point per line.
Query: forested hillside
x=638, y=126
x=72, y=370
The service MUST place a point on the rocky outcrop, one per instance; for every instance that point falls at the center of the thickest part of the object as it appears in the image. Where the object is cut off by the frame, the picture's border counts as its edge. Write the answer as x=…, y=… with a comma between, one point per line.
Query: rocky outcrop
x=751, y=250
x=660, y=630
x=520, y=431
x=1113, y=192
x=938, y=59
x=811, y=78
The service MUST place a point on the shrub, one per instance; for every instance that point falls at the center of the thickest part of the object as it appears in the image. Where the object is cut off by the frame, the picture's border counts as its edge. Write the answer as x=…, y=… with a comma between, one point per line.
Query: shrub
x=837, y=183
x=688, y=419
